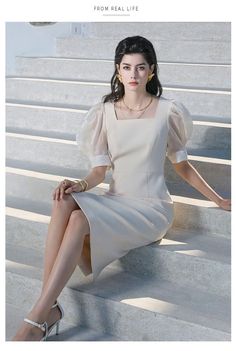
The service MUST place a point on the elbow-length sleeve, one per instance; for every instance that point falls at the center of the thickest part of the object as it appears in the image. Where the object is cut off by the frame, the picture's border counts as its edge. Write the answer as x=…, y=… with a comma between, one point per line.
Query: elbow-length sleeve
x=180, y=129
x=92, y=137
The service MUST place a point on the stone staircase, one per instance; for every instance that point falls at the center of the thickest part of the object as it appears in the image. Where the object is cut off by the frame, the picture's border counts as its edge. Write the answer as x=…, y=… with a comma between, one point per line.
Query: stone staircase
x=177, y=290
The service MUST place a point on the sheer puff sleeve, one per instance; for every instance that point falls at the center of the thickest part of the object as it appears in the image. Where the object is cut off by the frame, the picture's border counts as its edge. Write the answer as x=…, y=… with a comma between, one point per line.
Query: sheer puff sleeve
x=92, y=137
x=180, y=129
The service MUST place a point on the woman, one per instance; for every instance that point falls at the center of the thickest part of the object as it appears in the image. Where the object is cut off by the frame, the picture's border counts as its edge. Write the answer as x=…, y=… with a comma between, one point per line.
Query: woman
x=131, y=131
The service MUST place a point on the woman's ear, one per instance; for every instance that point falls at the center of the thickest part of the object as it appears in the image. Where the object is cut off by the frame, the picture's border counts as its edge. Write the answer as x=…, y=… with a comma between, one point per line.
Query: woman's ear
x=152, y=68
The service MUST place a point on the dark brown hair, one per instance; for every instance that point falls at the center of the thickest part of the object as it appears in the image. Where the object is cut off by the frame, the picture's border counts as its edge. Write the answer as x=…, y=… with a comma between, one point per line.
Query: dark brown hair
x=131, y=45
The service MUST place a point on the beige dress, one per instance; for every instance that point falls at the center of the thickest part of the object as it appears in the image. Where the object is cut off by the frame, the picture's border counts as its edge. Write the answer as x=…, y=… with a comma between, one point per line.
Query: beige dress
x=137, y=209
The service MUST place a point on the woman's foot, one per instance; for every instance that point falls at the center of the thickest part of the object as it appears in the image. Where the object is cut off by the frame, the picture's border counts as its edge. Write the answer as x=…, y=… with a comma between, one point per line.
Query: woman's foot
x=34, y=327
x=28, y=332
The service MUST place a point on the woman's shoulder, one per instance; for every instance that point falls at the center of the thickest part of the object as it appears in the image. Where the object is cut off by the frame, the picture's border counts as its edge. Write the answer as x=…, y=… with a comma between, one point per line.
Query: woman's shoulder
x=175, y=106
x=171, y=101
x=97, y=107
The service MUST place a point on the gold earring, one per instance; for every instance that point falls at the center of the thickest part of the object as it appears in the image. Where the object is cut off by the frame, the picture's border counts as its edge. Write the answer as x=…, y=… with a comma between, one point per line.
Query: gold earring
x=150, y=77
x=119, y=77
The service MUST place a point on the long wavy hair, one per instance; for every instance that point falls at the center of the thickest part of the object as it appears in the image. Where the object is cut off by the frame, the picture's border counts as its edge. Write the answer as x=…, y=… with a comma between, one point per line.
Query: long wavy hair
x=132, y=45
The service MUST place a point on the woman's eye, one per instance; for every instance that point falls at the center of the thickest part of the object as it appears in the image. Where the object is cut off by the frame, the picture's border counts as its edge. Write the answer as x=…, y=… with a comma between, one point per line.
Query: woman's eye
x=142, y=68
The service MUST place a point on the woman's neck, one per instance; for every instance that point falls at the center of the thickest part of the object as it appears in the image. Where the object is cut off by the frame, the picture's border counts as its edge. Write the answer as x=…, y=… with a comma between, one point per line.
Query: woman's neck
x=136, y=100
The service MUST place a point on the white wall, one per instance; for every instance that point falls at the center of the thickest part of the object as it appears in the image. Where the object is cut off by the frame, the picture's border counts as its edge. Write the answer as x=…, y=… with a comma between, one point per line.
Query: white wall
x=24, y=39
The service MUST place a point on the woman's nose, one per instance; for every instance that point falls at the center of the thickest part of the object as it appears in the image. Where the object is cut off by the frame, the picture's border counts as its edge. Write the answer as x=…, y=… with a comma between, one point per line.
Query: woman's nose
x=133, y=74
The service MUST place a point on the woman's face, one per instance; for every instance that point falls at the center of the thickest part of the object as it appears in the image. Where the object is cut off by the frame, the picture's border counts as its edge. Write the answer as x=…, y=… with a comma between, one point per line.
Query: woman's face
x=134, y=68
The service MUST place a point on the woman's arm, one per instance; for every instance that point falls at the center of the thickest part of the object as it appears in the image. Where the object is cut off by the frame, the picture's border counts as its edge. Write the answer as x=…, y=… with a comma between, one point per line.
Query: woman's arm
x=191, y=176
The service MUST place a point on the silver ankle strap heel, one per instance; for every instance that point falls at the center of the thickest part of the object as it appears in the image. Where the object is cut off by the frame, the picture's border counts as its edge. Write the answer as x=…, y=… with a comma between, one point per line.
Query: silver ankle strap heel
x=43, y=327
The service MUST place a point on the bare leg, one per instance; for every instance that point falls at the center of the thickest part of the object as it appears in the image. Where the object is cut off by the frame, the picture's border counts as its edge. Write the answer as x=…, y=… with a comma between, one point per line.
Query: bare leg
x=62, y=270
x=61, y=212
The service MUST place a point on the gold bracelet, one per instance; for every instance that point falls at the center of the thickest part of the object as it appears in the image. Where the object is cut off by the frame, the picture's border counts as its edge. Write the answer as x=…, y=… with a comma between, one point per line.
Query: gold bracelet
x=83, y=183
x=80, y=183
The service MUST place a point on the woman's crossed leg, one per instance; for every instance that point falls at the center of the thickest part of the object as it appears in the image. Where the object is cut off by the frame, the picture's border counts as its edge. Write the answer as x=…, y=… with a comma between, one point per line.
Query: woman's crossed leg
x=66, y=233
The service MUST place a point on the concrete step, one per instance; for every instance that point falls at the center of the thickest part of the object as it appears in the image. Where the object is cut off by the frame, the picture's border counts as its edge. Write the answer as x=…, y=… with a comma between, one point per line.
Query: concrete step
x=182, y=51
x=117, y=304
x=45, y=121
x=207, y=167
x=57, y=154
x=184, y=257
x=78, y=94
x=32, y=191
x=215, y=31
x=62, y=156
x=68, y=332
x=62, y=123
x=171, y=74
x=207, y=135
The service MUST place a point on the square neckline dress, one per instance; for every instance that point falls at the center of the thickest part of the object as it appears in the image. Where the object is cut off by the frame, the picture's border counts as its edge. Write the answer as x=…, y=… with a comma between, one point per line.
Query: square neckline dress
x=137, y=209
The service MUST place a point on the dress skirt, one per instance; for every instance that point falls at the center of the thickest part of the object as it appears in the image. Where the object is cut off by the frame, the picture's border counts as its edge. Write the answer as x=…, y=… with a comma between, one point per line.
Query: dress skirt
x=119, y=224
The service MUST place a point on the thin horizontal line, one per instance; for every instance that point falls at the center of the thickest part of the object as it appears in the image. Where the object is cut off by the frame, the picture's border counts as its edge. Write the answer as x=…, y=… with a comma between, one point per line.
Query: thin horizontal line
x=23, y=105
x=212, y=124
x=115, y=14
x=196, y=64
x=203, y=91
x=209, y=160
x=54, y=80
x=39, y=138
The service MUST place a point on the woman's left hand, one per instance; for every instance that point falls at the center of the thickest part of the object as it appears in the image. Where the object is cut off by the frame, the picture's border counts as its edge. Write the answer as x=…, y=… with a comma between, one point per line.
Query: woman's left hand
x=225, y=204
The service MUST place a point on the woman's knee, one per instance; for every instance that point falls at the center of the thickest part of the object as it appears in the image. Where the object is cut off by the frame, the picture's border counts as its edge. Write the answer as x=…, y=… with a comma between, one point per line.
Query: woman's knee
x=78, y=219
x=66, y=203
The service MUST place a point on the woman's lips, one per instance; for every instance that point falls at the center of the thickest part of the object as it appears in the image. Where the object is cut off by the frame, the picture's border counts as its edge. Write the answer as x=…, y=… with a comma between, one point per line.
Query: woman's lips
x=133, y=83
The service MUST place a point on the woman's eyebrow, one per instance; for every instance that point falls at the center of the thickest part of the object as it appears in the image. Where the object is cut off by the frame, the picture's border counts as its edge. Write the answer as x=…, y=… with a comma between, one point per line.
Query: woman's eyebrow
x=123, y=63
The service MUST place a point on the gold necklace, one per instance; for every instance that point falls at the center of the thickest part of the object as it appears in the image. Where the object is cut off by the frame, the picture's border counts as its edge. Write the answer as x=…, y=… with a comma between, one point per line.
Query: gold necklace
x=143, y=109
x=131, y=109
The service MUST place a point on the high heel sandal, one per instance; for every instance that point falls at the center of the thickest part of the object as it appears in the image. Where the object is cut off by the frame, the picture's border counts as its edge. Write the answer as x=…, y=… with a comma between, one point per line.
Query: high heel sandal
x=44, y=326
x=57, y=323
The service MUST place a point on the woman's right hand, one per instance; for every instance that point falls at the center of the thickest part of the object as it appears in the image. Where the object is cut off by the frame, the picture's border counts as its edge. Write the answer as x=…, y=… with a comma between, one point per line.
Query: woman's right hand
x=65, y=187
x=76, y=187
